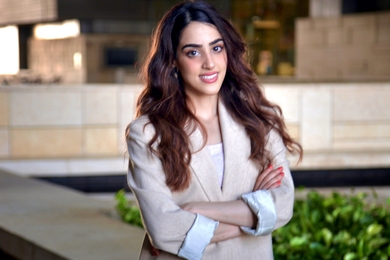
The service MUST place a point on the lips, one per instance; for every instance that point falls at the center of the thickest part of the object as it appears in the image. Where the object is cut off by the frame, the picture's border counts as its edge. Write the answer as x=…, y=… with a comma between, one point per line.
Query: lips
x=209, y=77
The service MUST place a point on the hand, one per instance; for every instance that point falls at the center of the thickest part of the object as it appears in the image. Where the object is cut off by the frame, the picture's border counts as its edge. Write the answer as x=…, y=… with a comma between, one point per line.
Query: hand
x=154, y=251
x=270, y=178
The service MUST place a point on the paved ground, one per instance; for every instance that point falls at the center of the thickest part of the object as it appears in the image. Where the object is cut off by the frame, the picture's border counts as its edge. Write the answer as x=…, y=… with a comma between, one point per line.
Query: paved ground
x=44, y=221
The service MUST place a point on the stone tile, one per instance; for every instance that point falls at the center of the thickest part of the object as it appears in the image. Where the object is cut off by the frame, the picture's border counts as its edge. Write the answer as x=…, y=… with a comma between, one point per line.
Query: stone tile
x=310, y=37
x=101, y=141
x=303, y=23
x=362, y=145
x=286, y=98
x=101, y=106
x=361, y=131
x=335, y=37
x=45, y=143
x=359, y=20
x=4, y=109
x=381, y=50
x=4, y=143
x=293, y=130
x=126, y=107
x=384, y=33
x=328, y=22
x=383, y=17
x=316, y=119
x=359, y=103
x=357, y=67
x=327, y=73
x=363, y=35
x=340, y=159
x=45, y=107
x=379, y=66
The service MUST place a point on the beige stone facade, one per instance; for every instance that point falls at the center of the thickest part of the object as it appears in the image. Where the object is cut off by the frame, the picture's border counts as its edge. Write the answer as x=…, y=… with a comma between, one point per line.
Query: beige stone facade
x=343, y=48
x=27, y=11
x=55, y=129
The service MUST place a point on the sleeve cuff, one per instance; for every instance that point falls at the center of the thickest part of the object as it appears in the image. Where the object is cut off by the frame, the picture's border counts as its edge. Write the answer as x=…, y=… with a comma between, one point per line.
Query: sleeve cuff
x=198, y=237
x=261, y=203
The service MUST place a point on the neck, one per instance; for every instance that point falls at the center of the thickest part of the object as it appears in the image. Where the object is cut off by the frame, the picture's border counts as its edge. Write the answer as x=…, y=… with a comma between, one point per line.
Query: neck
x=204, y=109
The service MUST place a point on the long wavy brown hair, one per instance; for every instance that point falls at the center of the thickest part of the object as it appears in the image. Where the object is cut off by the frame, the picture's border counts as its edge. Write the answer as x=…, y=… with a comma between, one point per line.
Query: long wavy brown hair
x=164, y=101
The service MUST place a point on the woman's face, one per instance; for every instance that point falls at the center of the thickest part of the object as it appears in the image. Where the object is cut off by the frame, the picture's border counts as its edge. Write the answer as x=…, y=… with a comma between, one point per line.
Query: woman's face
x=201, y=60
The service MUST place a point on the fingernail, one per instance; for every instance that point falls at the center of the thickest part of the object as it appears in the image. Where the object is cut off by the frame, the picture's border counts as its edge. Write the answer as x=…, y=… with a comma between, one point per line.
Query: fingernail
x=282, y=174
x=278, y=182
x=270, y=166
x=280, y=168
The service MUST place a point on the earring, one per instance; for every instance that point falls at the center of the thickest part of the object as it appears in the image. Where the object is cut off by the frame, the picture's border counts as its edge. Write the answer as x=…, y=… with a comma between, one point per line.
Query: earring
x=175, y=71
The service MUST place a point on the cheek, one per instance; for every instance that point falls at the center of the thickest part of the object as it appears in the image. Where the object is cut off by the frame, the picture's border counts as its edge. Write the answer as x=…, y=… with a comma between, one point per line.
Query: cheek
x=222, y=60
x=188, y=67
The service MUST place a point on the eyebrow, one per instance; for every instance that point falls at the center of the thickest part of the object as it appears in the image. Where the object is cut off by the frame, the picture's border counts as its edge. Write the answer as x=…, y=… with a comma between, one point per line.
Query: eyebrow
x=192, y=45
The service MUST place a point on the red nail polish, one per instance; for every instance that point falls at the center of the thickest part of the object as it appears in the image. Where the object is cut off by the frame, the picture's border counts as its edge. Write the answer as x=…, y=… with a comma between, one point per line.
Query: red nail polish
x=279, y=182
x=270, y=166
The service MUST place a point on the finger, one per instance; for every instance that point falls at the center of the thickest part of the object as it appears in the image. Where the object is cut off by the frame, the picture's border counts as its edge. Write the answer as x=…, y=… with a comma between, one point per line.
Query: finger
x=273, y=177
x=261, y=176
x=275, y=185
x=278, y=177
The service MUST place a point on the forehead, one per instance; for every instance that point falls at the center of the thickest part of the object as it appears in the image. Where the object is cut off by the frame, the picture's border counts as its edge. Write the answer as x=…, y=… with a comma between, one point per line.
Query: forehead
x=197, y=32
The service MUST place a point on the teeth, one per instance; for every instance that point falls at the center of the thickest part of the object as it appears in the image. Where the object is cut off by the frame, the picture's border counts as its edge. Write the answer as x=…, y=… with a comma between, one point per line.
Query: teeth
x=209, y=77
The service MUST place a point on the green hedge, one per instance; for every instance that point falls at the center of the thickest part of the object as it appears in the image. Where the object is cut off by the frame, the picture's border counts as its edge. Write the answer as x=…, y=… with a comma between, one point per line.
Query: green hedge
x=335, y=227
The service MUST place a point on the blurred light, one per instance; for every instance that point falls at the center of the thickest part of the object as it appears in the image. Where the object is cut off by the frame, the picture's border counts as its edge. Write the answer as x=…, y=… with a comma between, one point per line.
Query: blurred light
x=70, y=28
x=9, y=50
x=77, y=60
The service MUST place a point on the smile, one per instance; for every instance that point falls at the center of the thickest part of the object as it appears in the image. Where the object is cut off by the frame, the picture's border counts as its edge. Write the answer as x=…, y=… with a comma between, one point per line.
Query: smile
x=209, y=78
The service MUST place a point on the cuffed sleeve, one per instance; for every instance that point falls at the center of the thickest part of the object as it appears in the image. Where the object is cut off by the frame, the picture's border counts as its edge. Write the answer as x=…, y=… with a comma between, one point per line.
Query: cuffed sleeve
x=198, y=237
x=261, y=203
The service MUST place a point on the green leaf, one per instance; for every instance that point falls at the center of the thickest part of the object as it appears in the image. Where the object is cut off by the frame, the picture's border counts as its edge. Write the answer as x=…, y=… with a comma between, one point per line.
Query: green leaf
x=297, y=242
x=350, y=256
x=327, y=236
x=374, y=229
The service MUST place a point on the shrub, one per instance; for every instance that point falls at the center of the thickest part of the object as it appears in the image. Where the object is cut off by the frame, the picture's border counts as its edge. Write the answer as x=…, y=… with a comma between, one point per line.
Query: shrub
x=128, y=212
x=335, y=227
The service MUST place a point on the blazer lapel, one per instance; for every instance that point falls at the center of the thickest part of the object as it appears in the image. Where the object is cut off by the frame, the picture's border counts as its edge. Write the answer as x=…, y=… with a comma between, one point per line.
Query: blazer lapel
x=236, y=151
x=204, y=168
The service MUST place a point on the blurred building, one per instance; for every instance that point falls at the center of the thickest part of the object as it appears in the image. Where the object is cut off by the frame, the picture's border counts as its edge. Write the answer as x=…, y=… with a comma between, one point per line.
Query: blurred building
x=87, y=41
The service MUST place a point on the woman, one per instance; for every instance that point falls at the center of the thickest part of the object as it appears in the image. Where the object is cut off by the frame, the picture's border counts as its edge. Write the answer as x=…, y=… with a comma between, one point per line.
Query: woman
x=207, y=151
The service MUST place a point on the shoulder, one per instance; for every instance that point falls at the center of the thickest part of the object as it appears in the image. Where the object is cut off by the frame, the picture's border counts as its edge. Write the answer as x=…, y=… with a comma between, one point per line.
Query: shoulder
x=275, y=144
x=140, y=128
x=274, y=136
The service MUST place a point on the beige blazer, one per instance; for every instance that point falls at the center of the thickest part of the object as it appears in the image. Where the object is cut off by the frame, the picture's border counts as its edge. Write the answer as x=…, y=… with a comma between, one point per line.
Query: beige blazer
x=166, y=224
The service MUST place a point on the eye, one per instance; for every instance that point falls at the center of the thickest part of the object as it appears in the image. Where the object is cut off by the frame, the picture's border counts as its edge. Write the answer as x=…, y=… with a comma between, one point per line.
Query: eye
x=217, y=48
x=193, y=53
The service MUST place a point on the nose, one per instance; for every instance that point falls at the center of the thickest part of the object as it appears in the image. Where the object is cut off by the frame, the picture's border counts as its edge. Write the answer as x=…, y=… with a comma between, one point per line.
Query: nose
x=208, y=62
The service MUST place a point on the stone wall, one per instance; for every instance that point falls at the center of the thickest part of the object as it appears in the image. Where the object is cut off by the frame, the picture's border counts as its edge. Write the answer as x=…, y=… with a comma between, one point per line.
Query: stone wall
x=343, y=48
x=60, y=129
